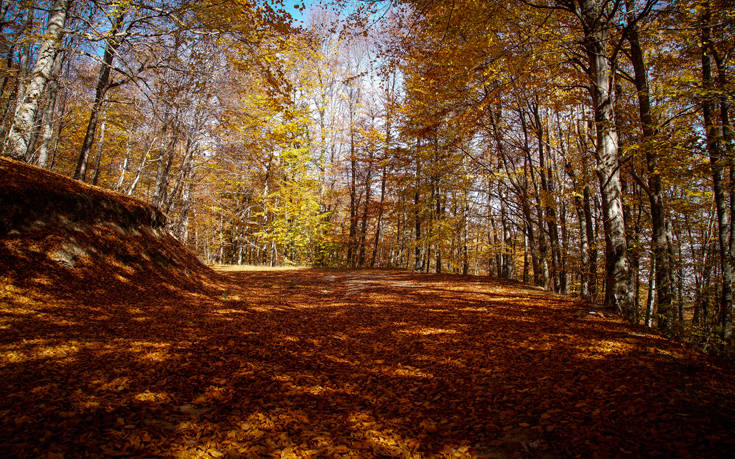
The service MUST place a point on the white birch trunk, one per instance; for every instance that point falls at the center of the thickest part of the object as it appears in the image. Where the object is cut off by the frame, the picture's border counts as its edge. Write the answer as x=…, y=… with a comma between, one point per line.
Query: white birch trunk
x=25, y=114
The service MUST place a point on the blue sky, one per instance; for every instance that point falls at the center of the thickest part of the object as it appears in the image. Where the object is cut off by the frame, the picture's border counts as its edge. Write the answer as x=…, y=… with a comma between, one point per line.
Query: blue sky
x=298, y=15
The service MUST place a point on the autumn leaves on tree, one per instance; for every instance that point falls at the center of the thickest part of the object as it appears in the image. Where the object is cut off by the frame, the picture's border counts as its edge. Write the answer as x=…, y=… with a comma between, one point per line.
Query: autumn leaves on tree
x=528, y=140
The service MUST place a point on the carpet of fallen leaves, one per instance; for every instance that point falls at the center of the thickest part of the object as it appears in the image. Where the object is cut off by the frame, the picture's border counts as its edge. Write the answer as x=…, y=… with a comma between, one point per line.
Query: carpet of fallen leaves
x=316, y=363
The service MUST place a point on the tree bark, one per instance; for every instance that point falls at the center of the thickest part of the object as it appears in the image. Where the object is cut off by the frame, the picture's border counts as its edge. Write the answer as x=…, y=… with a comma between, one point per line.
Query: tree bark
x=365, y=210
x=546, y=197
x=714, y=136
x=619, y=292
x=376, y=239
x=103, y=84
x=654, y=191
x=100, y=144
x=47, y=127
x=27, y=110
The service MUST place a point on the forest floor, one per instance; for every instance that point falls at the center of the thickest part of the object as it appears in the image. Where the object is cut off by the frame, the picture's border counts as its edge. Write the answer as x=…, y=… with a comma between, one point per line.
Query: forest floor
x=317, y=363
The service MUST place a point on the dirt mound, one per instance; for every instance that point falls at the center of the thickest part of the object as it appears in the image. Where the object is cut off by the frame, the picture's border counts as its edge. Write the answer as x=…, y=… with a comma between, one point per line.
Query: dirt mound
x=67, y=238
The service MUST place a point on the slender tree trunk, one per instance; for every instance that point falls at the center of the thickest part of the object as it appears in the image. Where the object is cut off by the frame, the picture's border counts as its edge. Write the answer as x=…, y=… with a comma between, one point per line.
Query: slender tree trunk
x=543, y=278
x=366, y=208
x=376, y=239
x=100, y=144
x=439, y=216
x=126, y=161
x=591, y=241
x=654, y=191
x=49, y=116
x=584, y=288
x=726, y=314
x=418, y=265
x=351, y=245
x=103, y=84
x=714, y=137
x=548, y=213
x=141, y=166
x=651, y=293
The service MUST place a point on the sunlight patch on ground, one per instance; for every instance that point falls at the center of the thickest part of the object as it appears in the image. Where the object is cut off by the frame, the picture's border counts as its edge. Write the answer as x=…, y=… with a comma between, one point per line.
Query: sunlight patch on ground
x=229, y=311
x=155, y=356
x=412, y=372
x=156, y=397
x=41, y=350
x=115, y=385
x=336, y=359
x=602, y=349
x=476, y=309
x=427, y=331
x=246, y=268
x=380, y=440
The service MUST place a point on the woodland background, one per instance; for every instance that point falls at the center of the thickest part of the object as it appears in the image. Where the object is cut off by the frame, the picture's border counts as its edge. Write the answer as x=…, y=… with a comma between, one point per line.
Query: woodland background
x=584, y=146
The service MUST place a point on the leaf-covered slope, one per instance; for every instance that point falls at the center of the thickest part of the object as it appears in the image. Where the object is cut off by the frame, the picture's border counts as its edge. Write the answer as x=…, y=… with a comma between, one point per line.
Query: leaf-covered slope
x=64, y=237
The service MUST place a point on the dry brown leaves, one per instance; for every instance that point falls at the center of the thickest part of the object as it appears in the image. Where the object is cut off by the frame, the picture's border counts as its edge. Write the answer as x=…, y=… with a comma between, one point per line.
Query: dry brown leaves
x=310, y=363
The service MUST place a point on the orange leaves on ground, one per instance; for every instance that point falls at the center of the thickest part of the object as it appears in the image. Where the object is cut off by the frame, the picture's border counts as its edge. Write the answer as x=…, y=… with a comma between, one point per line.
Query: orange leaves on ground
x=308, y=363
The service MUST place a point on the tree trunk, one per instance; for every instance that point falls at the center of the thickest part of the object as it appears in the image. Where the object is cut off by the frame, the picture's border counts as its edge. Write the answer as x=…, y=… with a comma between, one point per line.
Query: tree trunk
x=546, y=198
x=376, y=239
x=366, y=208
x=619, y=292
x=714, y=137
x=100, y=144
x=141, y=166
x=542, y=278
x=103, y=84
x=165, y=161
x=169, y=204
x=417, y=213
x=26, y=112
x=729, y=150
x=47, y=127
x=591, y=241
x=654, y=191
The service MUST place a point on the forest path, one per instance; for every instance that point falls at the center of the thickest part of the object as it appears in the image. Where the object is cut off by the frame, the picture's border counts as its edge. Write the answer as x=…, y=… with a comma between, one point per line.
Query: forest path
x=355, y=283
x=315, y=363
